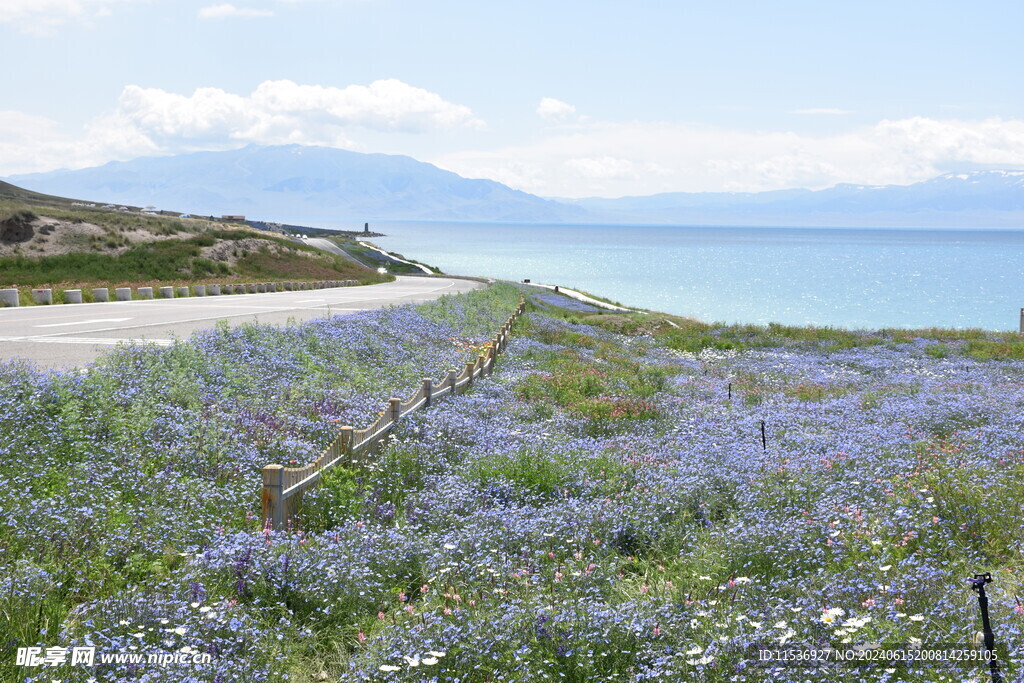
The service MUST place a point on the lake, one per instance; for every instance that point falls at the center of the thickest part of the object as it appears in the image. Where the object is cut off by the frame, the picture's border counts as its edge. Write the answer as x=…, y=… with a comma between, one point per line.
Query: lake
x=848, y=277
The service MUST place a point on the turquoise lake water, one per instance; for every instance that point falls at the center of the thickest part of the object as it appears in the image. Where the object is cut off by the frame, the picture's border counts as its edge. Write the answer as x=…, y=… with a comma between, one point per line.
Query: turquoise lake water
x=855, y=277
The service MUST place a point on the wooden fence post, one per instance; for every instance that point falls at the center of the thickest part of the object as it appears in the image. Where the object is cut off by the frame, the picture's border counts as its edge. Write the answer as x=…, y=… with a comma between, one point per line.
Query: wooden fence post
x=273, y=504
x=346, y=443
x=451, y=381
x=428, y=389
x=469, y=375
x=396, y=409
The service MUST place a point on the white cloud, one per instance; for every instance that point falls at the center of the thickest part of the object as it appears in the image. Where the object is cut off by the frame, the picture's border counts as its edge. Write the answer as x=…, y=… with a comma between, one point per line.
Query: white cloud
x=824, y=111
x=34, y=143
x=228, y=10
x=554, y=110
x=615, y=159
x=150, y=121
x=603, y=168
x=43, y=17
x=281, y=112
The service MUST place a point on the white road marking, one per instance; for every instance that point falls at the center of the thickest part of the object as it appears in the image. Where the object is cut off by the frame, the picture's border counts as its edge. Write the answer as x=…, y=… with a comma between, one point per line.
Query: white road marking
x=86, y=322
x=83, y=340
x=309, y=301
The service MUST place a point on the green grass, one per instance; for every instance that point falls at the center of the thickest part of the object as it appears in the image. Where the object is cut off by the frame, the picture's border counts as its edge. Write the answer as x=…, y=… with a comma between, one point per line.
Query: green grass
x=164, y=260
x=374, y=259
x=606, y=392
x=693, y=336
x=179, y=261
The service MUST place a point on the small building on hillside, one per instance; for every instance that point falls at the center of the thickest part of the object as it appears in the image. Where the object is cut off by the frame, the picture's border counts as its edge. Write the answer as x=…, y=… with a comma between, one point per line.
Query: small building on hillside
x=233, y=218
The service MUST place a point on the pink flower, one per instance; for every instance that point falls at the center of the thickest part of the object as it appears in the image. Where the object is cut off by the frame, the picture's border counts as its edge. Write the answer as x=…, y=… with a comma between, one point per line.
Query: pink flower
x=362, y=637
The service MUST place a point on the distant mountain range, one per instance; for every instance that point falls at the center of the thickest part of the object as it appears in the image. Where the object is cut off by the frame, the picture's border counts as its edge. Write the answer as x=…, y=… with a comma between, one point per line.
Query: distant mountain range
x=294, y=184
x=975, y=199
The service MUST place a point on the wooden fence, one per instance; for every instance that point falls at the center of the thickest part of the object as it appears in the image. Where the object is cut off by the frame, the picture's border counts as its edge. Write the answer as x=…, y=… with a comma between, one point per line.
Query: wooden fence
x=283, y=486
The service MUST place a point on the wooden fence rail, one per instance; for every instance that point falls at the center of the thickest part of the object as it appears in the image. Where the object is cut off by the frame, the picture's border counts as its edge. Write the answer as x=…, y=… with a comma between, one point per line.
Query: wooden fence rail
x=283, y=486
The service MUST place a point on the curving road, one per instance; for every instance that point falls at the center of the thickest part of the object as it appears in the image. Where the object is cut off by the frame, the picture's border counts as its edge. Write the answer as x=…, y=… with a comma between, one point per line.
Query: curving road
x=72, y=335
x=331, y=247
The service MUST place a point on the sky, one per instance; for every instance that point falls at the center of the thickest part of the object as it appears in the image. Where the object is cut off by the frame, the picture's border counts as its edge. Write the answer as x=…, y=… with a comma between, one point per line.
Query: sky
x=561, y=98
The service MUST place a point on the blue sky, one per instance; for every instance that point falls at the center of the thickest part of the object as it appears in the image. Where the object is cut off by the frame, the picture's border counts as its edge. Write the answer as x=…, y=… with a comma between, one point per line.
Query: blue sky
x=570, y=98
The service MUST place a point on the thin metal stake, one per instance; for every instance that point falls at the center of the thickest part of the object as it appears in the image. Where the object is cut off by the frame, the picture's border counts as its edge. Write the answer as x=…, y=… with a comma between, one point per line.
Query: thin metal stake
x=978, y=584
x=764, y=439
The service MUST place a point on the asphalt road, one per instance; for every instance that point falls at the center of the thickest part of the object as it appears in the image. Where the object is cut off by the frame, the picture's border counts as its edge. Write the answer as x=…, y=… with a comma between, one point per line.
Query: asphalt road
x=328, y=246
x=73, y=334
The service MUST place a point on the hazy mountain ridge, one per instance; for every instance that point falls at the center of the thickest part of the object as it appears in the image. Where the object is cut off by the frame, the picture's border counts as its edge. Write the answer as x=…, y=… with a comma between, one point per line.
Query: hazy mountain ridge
x=301, y=183
x=295, y=183
x=975, y=198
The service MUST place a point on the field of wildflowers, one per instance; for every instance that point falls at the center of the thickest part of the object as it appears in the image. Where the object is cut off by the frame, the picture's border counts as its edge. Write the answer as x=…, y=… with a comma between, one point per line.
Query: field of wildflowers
x=602, y=508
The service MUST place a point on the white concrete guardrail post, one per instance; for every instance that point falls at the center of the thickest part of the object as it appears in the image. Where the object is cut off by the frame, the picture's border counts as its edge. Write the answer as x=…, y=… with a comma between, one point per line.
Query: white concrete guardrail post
x=123, y=293
x=42, y=296
x=183, y=291
x=72, y=296
x=9, y=297
x=213, y=290
x=198, y=290
x=101, y=294
x=167, y=292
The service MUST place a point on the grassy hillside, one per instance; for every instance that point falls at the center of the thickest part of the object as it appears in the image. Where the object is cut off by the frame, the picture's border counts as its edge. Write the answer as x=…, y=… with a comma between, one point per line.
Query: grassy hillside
x=55, y=242
x=14, y=193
